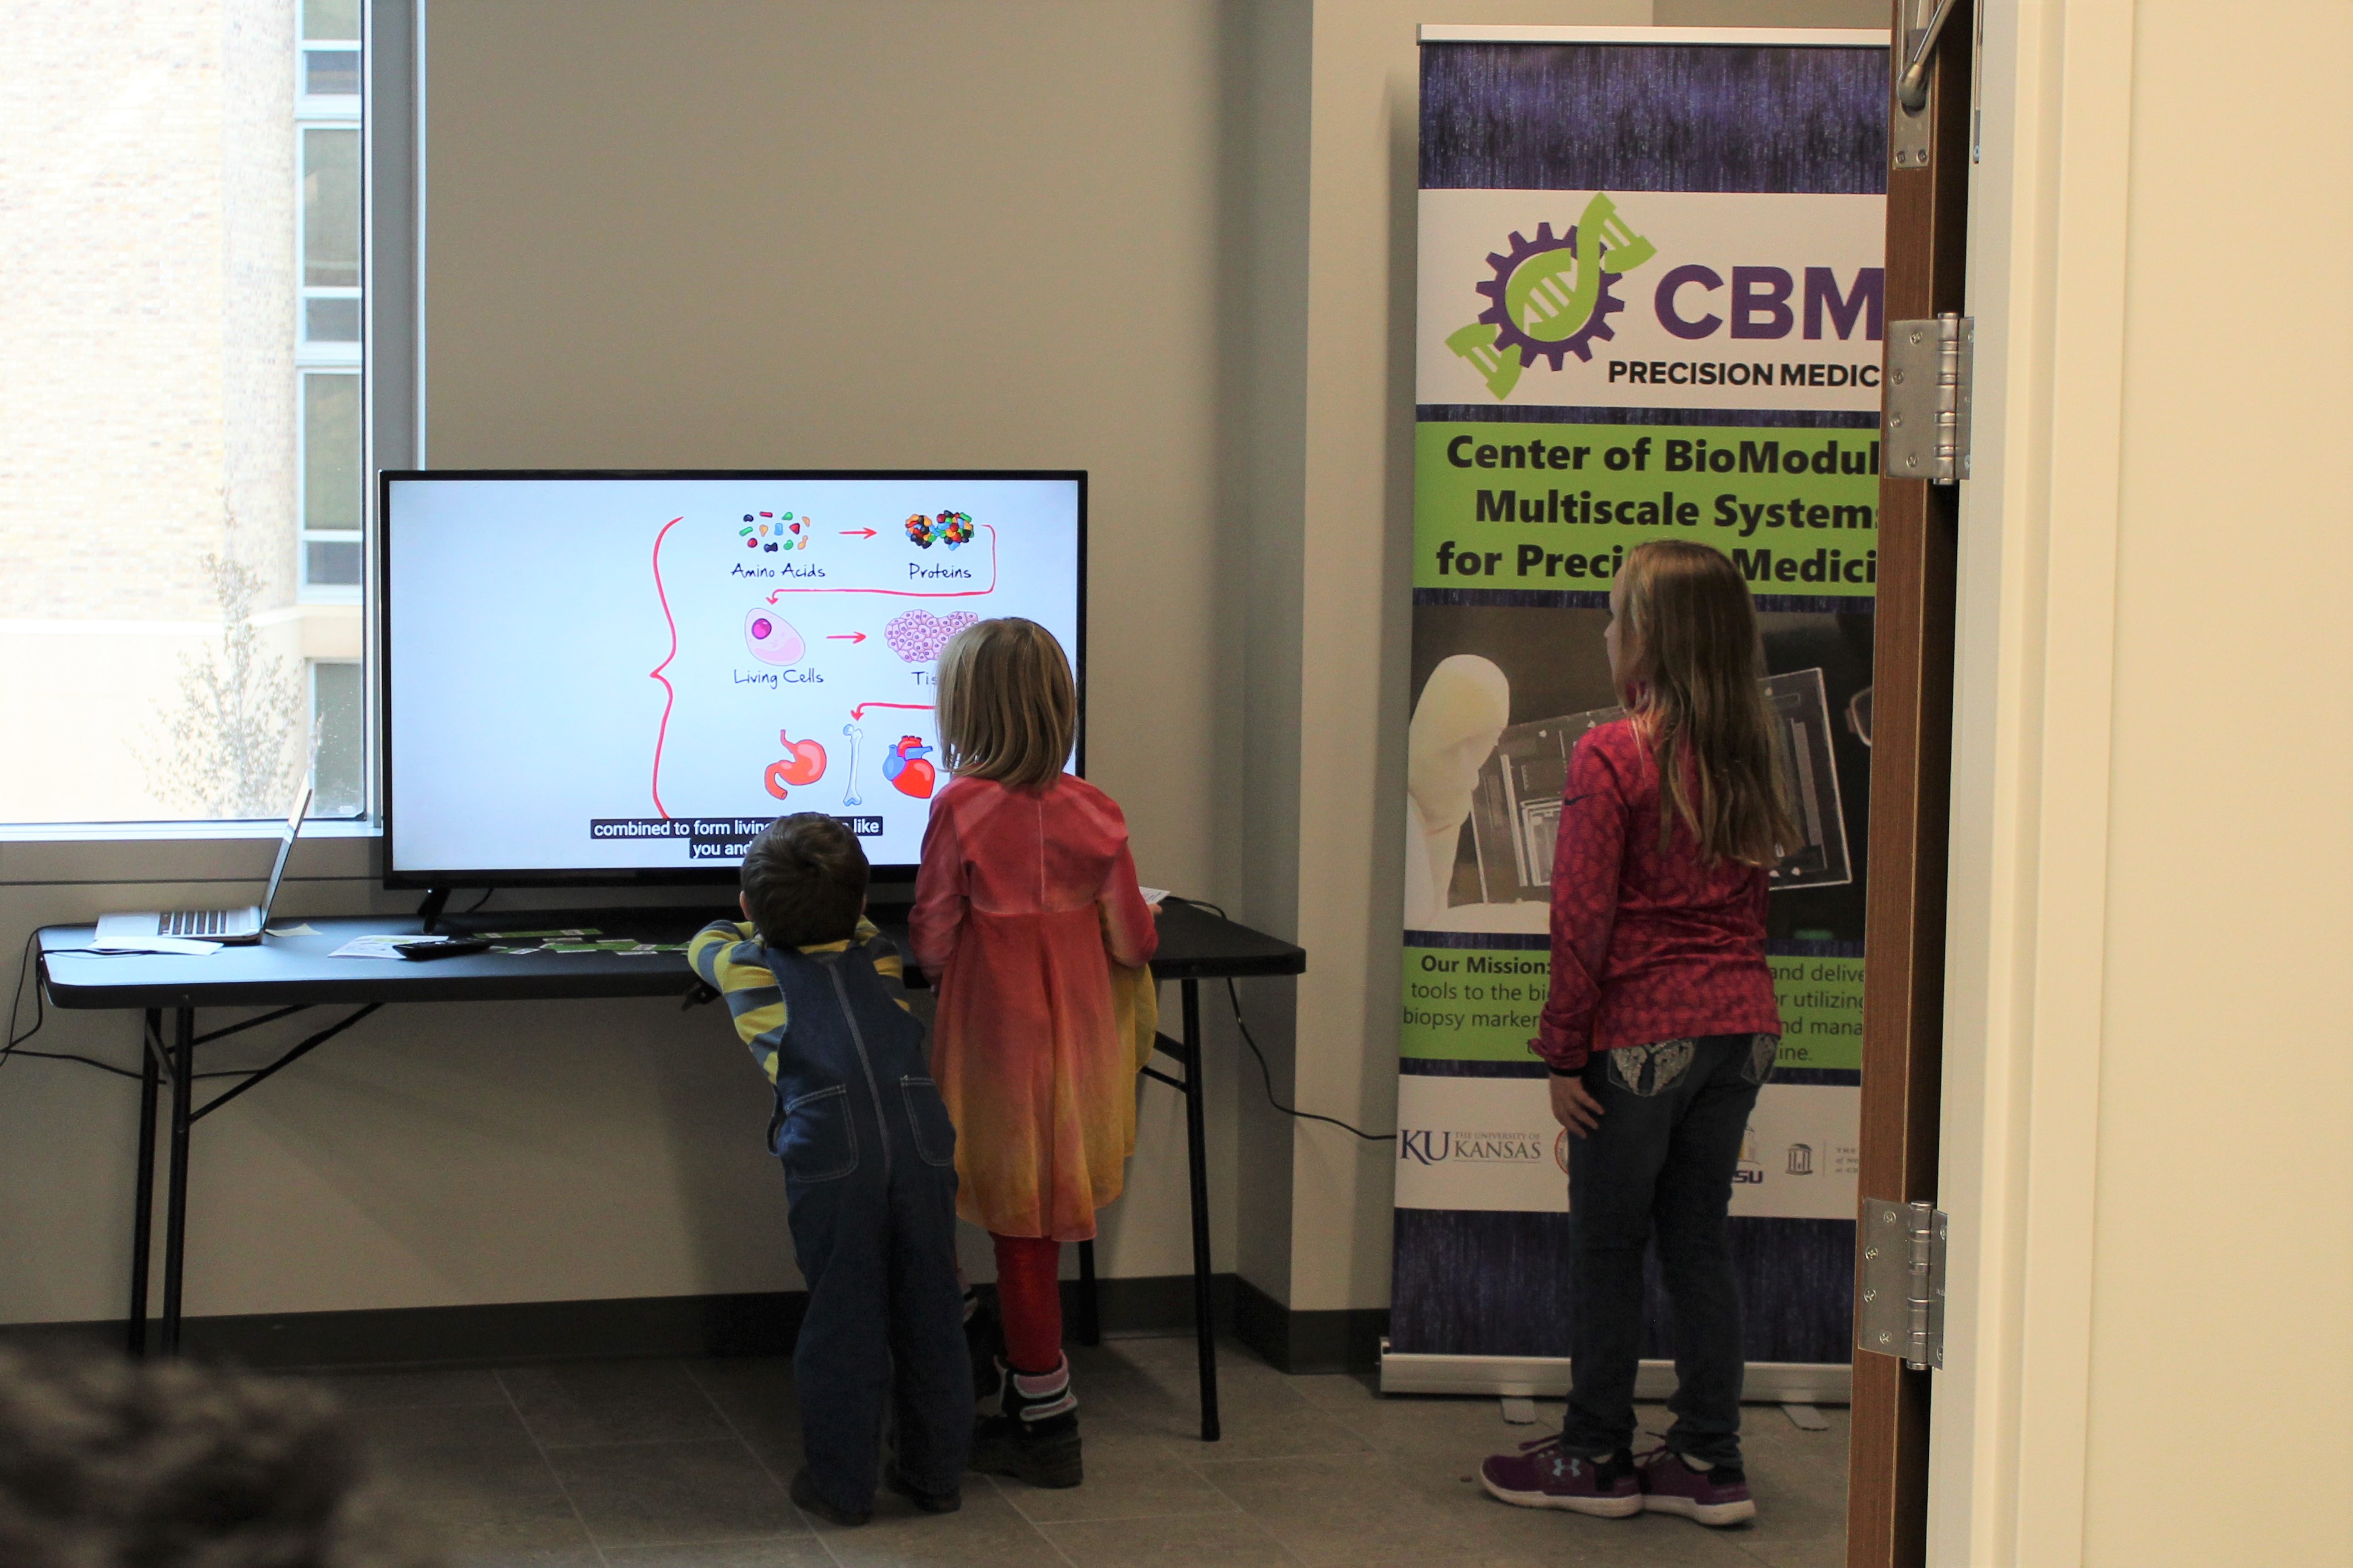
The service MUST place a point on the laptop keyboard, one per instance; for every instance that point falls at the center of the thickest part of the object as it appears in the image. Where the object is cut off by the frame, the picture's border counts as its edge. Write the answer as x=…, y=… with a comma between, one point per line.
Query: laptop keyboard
x=195, y=922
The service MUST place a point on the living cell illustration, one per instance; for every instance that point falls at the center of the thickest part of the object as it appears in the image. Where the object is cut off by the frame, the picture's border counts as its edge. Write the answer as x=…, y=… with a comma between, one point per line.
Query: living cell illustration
x=771, y=638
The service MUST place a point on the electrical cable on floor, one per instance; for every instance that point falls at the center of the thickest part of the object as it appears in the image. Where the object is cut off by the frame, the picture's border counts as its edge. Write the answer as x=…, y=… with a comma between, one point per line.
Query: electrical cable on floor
x=1266, y=1073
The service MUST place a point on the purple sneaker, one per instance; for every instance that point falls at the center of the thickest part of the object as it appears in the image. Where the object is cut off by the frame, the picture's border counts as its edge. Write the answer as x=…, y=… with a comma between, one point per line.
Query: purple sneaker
x=1715, y=1497
x=1541, y=1475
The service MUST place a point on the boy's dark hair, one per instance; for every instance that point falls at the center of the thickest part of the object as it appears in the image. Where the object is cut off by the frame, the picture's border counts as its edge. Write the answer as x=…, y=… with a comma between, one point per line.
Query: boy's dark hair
x=805, y=879
x=173, y=1465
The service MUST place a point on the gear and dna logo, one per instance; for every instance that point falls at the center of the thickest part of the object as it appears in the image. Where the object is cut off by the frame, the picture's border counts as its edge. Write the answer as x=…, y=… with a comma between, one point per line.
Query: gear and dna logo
x=1550, y=296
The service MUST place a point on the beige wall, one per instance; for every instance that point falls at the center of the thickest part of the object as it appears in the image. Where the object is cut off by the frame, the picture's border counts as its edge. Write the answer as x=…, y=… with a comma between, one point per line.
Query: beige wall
x=753, y=234
x=2150, y=1036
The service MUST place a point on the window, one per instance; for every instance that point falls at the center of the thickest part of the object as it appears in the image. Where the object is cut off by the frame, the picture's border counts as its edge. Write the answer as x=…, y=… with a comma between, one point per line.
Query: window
x=338, y=761
x=183, y=354
x=331, y=498
x=328, y=346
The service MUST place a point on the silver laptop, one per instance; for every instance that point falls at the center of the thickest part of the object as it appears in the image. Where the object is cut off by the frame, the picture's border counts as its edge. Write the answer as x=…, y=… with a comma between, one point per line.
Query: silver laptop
x=243, y=925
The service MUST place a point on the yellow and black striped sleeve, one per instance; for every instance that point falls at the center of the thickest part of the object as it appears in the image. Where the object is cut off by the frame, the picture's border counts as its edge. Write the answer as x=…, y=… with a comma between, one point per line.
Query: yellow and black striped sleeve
x=726, y=955
x=887, y=961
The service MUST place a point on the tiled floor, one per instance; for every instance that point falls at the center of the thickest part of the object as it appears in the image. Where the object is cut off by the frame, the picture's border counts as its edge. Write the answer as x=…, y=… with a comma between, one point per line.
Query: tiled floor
x=684, y=1465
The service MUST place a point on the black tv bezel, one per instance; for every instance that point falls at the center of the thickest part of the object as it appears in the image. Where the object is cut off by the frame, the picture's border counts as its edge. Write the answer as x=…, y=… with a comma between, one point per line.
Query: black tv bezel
x=396, y=879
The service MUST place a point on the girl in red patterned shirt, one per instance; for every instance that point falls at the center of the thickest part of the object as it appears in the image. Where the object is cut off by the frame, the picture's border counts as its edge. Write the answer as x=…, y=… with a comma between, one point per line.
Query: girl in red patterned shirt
x=1660, y=1027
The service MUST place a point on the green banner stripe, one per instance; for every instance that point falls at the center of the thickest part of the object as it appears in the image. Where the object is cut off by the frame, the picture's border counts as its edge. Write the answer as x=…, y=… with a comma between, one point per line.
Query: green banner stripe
x=1556, y=506
x=1481, y=1005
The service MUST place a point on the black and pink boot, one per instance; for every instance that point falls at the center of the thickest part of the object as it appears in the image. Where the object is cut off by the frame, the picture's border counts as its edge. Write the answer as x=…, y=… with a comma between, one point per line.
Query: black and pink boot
x=1034, y=1435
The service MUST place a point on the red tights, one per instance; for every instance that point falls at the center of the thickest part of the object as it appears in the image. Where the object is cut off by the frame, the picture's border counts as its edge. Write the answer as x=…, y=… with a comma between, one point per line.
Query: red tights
x=1030, y=1297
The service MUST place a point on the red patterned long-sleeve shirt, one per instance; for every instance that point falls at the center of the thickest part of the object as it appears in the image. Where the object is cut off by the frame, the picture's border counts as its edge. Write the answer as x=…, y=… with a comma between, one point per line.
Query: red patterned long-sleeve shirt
x=1649, y=943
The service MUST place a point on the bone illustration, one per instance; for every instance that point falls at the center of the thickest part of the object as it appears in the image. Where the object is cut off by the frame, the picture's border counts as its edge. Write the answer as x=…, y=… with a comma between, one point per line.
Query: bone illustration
x=850, y=774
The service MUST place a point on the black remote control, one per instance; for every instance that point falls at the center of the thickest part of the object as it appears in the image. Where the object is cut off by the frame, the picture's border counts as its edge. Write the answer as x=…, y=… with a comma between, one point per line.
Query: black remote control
x=455, y=947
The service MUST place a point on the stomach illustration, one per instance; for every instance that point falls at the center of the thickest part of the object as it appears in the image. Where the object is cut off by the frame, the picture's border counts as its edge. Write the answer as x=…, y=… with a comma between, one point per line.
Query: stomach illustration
x=802, y=763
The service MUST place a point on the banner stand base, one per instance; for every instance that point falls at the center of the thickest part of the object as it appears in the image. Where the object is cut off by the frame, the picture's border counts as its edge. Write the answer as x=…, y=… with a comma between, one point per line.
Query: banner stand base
x=1547, y=1377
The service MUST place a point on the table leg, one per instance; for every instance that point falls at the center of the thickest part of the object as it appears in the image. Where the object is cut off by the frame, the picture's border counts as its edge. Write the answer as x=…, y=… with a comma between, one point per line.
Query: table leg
x=143, y=1196
x=1196, y=1166
x=1090, y=1297
x=175, y=1211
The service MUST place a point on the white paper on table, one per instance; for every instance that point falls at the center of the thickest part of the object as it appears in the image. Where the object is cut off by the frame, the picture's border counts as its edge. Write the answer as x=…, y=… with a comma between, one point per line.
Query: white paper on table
x=379, y=946
x=180, y=946
x=305, y=929
x=1153, y=895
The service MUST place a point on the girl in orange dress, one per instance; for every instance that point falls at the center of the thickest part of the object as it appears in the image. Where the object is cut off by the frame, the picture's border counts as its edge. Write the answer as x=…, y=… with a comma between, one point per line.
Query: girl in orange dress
x=1029, y=921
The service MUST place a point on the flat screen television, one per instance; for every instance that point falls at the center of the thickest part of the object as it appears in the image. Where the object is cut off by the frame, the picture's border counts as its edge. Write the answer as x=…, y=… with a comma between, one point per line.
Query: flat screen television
x=621, y=677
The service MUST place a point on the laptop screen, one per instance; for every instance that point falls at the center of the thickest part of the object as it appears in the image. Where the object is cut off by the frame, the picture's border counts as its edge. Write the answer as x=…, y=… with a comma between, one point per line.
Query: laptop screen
x=285, y=853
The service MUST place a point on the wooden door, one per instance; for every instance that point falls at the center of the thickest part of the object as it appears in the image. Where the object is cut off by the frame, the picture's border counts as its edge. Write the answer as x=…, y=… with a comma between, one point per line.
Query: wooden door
x=1911, y=777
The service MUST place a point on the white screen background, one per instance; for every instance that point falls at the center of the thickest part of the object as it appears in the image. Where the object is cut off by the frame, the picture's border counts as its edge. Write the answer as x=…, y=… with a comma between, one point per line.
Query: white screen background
x=526, y=620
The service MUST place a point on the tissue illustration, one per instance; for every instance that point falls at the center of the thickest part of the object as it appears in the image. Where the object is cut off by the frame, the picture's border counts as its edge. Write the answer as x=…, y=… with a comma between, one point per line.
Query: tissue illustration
x=918, y=635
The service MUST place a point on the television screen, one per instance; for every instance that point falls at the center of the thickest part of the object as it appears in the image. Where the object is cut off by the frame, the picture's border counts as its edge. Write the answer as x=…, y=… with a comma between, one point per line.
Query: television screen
x=625, y=676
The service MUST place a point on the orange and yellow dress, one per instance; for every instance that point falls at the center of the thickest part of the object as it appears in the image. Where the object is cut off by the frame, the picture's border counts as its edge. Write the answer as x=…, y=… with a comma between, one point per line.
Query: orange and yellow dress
x=1029, y=923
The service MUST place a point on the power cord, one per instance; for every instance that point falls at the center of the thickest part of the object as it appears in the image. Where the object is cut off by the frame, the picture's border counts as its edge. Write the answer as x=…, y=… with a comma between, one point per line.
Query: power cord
x=1266, y=1073
x=16, y=1045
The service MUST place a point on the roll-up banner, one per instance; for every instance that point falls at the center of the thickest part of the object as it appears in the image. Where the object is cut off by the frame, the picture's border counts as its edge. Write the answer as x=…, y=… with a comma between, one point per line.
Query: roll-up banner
x=1650, y=306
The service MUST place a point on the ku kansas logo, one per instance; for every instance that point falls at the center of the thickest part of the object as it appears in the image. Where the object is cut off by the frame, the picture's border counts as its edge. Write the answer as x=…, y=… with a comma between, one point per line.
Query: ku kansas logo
x=1550, y=296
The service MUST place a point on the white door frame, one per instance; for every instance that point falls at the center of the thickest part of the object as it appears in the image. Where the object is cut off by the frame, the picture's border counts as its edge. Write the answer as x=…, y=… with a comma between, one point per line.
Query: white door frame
x=2032, y=700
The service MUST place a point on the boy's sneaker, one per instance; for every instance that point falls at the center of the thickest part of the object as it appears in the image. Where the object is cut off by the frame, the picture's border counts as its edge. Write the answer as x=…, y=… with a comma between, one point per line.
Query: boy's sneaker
x=1034, y=1435
x=1541, y=1475
x=947, y=1501
x=1716, y=1497
x=811, y=1500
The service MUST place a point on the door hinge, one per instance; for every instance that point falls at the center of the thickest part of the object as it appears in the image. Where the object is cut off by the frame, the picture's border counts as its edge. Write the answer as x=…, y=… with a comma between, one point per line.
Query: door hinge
x=1900, y=1305
x=1928, y=396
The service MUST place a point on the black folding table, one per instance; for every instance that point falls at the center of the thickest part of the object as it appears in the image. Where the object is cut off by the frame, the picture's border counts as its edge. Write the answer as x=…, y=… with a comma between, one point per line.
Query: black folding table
x=290, y=974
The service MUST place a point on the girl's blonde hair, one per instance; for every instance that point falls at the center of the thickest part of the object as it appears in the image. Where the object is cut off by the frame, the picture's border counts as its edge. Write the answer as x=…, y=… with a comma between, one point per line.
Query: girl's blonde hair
x=1699, y=666
x=1008, y=709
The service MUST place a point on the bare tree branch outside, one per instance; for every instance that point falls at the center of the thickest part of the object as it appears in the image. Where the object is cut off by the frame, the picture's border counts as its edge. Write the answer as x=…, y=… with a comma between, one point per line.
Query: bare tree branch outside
x=231, y=746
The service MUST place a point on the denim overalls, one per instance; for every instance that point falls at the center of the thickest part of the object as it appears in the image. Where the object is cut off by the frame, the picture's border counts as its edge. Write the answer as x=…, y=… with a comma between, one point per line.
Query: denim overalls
x=870, y=1172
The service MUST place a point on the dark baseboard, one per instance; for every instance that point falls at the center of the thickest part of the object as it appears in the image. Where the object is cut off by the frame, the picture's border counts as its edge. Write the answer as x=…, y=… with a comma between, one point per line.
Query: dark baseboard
x=518, y=1332
x=1345, y=1339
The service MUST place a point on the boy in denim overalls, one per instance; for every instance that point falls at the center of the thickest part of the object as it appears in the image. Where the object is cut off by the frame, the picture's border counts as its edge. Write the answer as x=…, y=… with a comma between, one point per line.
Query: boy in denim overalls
x=869, y=1171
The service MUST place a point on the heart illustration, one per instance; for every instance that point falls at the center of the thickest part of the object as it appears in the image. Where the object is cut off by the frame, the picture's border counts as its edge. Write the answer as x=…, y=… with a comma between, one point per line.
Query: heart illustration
x=915, y=778
x=905, y=766
x=806, y=764
x=918, y=635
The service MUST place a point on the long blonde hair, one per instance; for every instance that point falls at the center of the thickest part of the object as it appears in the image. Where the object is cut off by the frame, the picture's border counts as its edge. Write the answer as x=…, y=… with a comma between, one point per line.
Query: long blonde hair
x=1008, y=709
x=1699, y=668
